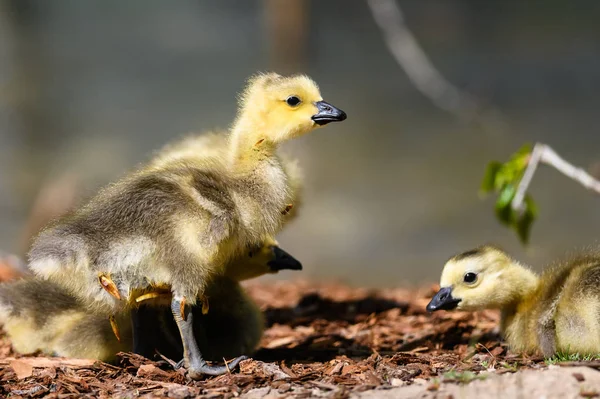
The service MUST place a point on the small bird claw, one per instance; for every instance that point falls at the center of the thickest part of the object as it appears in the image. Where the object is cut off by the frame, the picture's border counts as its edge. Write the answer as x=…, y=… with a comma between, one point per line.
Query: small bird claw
x=204, y=304
x=179, y=364
x=151, y=295
x=109, y=286
x=115, y=327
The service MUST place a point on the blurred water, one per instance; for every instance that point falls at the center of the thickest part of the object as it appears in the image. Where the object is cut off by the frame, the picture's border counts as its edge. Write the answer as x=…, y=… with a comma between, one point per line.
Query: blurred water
x=391, y=192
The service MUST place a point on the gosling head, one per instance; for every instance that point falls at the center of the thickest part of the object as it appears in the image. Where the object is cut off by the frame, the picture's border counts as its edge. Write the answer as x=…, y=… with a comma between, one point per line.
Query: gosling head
x=273, y=258
x=482, y=278
x=281, y=108
x=267, y=258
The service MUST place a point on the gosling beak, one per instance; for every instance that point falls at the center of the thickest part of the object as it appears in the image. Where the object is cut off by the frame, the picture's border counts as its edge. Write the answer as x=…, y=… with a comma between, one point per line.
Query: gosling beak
x=283, y=261
x=327, y=113
x=443, y=300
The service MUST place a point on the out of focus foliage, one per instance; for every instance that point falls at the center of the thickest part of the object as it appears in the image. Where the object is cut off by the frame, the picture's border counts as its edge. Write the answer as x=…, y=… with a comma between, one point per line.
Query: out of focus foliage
x=503, y=179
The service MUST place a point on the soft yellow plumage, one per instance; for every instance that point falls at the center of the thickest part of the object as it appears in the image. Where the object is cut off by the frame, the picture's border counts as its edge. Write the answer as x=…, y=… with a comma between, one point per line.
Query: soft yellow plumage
x=39, y=315
x=557, y=311
x=178, y=221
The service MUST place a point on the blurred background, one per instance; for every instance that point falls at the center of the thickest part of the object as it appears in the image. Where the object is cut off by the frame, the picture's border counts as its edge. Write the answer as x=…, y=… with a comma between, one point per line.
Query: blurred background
x=88, y=89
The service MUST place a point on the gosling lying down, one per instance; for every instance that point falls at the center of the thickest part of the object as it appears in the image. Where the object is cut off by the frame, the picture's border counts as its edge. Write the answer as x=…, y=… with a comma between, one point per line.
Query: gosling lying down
x=39, y=315
x=557, y=311
x=58, y=324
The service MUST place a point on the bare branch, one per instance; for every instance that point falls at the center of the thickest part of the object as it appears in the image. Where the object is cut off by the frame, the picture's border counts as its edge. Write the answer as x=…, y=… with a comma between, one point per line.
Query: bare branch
x=420, y=70
x=544, y=154
x=534, y=160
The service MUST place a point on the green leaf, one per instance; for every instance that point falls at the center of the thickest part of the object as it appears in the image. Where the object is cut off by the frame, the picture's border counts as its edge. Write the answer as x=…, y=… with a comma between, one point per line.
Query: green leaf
x=489, y=179
x=520, y=158
x=512, y=171
x=504, y=179
x=506, y=196
x=524, y=151
x=505, y=215
x=504, y=211
x=525, y=221
x=531, y=206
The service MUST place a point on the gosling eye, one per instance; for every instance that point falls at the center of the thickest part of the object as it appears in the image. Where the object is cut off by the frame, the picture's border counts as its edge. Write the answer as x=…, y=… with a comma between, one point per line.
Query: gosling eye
x=470, y=277
x=250, y=254
x=293, y=101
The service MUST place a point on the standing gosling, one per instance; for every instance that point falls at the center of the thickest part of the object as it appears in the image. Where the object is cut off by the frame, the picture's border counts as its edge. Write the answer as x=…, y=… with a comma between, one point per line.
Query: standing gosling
x=179, y=223
x=558, y=311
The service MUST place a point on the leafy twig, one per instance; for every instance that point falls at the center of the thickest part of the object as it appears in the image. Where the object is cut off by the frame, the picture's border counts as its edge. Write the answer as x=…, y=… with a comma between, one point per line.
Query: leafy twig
x=504, y=178
x=544, y=154
x=511, y=180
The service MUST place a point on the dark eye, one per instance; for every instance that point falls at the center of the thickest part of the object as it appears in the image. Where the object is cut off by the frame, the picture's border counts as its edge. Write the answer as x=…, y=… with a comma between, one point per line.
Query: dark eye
x=293, y=101
x=251, y=254
x=470, y=278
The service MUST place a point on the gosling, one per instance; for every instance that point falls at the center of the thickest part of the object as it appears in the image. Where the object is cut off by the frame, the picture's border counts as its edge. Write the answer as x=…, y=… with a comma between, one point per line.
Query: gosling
x=39, y=315
x=178, y=224
x=555, y=312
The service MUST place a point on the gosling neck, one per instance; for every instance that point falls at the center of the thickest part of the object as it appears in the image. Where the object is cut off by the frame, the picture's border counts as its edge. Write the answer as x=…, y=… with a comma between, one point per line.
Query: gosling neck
x=249, y=144
x=524, y=283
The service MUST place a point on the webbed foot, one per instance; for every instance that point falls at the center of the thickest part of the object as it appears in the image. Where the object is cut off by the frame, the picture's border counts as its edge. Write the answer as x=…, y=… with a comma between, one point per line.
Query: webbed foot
x=193, y=360
x=197, y=371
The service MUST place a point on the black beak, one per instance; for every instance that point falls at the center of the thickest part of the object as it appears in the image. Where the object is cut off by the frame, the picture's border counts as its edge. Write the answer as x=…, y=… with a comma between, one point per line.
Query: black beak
x=327, y=113
x=283, y=261
x=443, y=300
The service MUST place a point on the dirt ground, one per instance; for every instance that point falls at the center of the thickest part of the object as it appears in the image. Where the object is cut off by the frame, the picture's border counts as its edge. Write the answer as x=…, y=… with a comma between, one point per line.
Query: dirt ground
x=322, y=340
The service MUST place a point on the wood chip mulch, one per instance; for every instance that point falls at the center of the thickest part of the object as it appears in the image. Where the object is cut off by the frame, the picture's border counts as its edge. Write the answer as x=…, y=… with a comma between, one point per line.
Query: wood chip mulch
x=323, y=340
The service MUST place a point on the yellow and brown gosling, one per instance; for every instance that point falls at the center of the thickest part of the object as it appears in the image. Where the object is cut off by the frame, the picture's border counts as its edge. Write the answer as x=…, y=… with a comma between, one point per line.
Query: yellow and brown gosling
x=177, y=225
x=555, y=312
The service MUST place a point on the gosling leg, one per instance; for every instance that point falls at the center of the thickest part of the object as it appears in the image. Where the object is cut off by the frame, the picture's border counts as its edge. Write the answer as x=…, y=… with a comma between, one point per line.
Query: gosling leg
x=192, y=357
